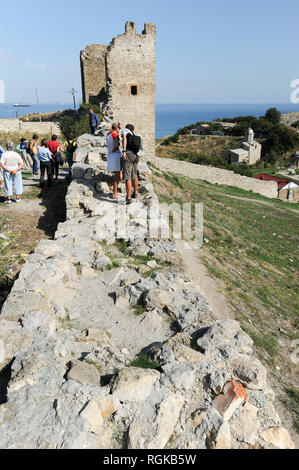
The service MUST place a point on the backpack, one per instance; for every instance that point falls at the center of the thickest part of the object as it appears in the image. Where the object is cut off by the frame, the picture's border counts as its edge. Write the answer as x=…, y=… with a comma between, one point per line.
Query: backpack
x=28, y=149
x=71, y=147
x=58, y=158
x=133, y=143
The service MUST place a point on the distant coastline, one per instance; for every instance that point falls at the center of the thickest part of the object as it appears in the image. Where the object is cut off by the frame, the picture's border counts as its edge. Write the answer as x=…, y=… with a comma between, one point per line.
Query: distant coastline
x=170, y=117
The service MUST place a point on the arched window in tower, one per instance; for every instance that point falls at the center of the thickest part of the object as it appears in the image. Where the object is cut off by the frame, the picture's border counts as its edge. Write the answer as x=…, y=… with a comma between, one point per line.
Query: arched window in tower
x=134, y=91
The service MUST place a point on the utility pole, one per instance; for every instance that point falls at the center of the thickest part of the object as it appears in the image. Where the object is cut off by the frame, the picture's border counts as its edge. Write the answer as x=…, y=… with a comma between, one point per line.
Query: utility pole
x=73, y=92
x=38, y=108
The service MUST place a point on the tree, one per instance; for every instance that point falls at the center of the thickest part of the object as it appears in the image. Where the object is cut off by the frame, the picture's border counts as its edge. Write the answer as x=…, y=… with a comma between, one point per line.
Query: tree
x=273, y=115
x=271, y=157
x=79, y=123
x=281, y=139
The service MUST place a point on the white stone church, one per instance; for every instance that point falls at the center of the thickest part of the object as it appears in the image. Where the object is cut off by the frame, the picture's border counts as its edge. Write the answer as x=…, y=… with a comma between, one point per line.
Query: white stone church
x=249, y=152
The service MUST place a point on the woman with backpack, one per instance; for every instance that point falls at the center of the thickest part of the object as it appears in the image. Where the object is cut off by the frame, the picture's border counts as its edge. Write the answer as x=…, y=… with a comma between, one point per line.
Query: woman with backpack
x=70, y=147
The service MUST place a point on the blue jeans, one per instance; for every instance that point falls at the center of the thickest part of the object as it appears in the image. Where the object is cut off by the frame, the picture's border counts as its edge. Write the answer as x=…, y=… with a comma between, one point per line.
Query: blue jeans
x=11, y=181
x=35, y=164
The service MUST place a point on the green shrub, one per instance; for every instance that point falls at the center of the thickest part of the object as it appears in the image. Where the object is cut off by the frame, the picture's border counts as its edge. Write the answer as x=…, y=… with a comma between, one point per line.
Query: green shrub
x=114, y=264
x=78, y=124
x=144, y=362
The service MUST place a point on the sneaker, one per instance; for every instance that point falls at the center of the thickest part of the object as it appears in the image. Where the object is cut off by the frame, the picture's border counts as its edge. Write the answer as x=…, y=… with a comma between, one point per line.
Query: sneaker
x=8, y=201
x=134, y=195
x=17, y=200
x=129, y=201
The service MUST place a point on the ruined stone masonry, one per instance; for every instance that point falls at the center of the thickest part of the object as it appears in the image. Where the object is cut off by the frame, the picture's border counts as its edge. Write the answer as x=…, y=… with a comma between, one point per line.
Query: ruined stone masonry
x=15, y=125
x=121, y=78
x=85, y=306
x=216, y=176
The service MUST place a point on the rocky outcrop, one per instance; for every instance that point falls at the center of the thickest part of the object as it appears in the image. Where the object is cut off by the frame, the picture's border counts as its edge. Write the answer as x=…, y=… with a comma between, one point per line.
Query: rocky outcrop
x=107, y=343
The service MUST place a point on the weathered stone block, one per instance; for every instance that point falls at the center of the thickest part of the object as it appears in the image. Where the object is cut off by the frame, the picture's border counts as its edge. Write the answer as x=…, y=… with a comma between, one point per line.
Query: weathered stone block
x=84, y=373
x=134, y=384
x=233, y=395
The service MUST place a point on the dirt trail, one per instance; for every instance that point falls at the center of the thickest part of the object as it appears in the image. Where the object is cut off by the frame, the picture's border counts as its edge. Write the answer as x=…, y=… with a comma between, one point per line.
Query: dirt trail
x=208, y=286
x=258, y=201
x=36, y=210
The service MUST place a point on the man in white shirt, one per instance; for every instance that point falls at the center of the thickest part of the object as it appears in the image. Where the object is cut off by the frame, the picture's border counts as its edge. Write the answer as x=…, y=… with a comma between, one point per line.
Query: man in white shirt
x=12, y=163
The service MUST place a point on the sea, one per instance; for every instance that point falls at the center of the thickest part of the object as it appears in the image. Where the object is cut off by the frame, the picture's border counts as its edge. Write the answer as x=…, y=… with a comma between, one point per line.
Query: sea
x=171, y=117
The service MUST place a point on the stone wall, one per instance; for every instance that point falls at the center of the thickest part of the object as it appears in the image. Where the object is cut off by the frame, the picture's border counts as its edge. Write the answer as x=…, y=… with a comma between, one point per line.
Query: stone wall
x=109, y=72
x=216, y=176
x=76, y=319
x=93, y=73
x=14, y=125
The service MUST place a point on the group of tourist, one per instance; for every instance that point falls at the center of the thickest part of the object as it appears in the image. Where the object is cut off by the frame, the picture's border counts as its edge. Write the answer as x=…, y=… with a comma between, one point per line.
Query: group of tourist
x=123, y=148
x=46, y=159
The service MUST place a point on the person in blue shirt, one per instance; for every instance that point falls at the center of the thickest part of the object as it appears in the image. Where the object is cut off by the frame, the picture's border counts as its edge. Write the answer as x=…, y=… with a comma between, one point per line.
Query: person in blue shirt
x=22, y=146
x=93, y=121
x=45, y=158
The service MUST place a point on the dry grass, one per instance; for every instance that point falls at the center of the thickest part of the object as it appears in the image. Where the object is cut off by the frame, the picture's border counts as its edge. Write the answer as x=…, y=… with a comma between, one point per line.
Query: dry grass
x=210, y=145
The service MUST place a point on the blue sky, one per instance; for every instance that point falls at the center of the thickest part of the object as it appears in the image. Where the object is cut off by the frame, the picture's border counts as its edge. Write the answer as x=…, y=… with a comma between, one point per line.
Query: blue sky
x=216, y=51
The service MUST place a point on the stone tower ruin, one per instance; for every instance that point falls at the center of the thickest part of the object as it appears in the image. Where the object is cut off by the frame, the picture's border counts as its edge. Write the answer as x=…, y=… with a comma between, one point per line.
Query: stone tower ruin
x=121, y=78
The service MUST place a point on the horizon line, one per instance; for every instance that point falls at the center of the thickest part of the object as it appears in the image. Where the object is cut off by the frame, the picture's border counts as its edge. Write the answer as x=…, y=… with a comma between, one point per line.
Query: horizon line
x=173, y=103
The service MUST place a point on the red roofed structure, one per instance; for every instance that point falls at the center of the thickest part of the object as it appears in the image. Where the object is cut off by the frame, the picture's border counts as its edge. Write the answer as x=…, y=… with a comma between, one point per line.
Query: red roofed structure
x=281, y=182
x=287, y=190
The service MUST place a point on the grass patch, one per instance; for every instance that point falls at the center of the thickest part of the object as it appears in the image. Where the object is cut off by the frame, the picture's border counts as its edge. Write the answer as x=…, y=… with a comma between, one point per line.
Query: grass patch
x=144, y=362
x=267, y=343
x=142, y=259
x=114, y=264
x=8, y=254
x=33, y=193
x=122, y=245
x=139, y=309
x=292, y=402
